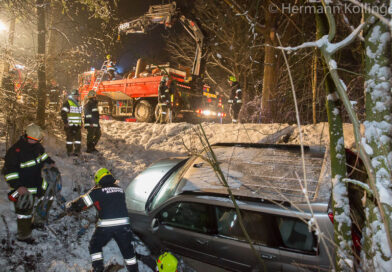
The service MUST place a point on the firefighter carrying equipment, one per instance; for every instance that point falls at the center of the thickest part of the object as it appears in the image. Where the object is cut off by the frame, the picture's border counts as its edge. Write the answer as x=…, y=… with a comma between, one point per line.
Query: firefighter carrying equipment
x=34, y=132
x=167, y=263
x=22, y=168
x=100, y=174
x=114, y=223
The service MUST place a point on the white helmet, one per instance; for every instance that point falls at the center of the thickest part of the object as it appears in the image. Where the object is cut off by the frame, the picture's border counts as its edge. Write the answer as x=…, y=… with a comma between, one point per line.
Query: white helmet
x=34, y=132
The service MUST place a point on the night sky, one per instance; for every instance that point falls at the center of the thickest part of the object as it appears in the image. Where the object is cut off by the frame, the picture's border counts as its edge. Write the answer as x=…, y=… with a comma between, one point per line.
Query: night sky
x=133, y=46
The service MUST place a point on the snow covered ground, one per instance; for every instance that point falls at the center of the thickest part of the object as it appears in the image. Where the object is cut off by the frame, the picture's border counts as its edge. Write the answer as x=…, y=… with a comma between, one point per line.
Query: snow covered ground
x=126, y=149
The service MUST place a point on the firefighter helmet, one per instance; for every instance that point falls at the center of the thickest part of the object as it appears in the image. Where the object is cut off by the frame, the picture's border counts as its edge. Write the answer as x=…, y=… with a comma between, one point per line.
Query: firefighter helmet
x=91, y=94
x=232, y=79
x=108, y=57
x=34, y=132
x=167, y=263
x=74, y=92
x=100, y=174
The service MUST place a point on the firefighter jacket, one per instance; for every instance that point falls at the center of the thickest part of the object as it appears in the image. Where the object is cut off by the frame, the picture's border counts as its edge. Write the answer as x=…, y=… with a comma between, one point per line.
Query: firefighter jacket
x=91, y=113
x=235, y=94
x=108, y=199
x=110, y=65
x=71, y=113
x=164, y=93
x=23, y=165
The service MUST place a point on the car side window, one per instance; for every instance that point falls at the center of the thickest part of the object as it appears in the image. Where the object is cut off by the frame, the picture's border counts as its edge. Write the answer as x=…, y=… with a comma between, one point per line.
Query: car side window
x=187, y=215
x=259, y=226
x=267, y=229
x=296, y=235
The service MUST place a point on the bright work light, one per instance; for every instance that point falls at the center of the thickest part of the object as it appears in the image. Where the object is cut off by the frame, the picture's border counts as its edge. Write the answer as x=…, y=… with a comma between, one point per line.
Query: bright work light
x=3, y=27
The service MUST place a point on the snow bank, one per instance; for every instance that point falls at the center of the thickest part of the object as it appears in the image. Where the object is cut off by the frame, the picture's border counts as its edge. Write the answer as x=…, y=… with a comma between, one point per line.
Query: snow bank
x=126, y=149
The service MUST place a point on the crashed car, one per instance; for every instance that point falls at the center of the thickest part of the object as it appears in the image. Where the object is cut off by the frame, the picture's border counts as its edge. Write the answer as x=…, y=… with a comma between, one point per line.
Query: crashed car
x=180, y=205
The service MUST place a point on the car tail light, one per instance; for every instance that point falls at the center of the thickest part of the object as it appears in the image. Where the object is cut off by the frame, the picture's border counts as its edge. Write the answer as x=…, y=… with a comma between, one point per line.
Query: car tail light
x=330, y=215
x=354, y=235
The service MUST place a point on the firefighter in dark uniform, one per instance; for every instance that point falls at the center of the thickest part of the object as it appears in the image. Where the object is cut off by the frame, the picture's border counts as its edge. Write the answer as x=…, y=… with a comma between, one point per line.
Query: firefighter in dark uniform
x=164, y=101
x=235, y=98
x=22, y=171
x=109, y=200
x=71, y=113
x=91, y=122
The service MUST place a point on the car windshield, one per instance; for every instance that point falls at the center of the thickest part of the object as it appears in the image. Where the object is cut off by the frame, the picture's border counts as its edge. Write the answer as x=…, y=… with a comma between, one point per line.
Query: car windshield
x=168, y=189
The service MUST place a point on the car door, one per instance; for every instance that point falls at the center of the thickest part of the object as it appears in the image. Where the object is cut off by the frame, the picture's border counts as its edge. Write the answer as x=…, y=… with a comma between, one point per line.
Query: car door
x=185, y=228
x=232, y=249
x=299, y=249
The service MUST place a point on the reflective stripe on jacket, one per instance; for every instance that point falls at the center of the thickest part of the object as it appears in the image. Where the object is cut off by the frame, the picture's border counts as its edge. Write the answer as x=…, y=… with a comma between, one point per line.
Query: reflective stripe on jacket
x=23, y=164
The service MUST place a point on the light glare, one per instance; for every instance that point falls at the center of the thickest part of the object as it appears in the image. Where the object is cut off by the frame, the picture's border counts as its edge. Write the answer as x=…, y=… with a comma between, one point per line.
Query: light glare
x=3, y=27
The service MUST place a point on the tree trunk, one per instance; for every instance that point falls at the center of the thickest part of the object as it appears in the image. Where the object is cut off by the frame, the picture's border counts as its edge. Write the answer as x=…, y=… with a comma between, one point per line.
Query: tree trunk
x=340, y=203
x=53, y=38
x=270, y=79
x=41, y=63
x=378, y=127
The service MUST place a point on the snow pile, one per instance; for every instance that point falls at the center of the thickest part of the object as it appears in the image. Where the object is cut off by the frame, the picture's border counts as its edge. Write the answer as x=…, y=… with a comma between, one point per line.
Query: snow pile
x=126, y=149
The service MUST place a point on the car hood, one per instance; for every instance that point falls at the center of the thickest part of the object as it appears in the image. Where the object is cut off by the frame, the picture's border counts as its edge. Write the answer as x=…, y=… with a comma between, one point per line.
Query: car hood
x=140, y=188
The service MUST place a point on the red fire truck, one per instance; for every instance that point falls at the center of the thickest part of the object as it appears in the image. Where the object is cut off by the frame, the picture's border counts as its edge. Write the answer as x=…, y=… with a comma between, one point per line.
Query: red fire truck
x=137, y=94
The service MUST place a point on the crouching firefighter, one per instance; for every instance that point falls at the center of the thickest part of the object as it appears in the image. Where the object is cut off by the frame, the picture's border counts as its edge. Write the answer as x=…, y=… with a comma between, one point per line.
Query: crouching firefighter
x=109, y=200
x=22, y=171
x=91, y=122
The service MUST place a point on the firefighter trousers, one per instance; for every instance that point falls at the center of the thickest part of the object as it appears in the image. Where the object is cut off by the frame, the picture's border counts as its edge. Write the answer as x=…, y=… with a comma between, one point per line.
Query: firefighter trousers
x=123, y=237
x=235, y=111
x=24, y=219
x=74, y=138
x=93, y=136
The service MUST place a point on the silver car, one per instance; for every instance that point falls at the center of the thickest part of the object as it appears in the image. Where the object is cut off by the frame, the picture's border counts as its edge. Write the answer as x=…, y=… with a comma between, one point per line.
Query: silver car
x=179, y=204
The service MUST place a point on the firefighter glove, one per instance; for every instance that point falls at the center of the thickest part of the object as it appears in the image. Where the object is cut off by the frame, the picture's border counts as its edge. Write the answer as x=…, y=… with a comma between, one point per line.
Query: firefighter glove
x=25, y=201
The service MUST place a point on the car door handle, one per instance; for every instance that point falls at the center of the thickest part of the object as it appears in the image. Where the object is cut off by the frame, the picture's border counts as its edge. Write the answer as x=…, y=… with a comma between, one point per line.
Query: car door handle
x=268, y=257
x=201, y=242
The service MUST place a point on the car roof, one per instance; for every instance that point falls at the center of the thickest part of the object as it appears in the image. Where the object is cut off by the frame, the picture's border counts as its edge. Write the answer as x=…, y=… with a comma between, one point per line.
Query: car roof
x=262, y=171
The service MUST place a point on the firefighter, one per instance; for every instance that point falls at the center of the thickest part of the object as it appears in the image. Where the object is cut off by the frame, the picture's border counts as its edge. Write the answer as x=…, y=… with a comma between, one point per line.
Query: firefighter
x=109, y=200
x=22, y=171
x=91, y=122
x=110, y=67
x=167, y=263
x=71, y=113
x=164, y=100
x=235, y=98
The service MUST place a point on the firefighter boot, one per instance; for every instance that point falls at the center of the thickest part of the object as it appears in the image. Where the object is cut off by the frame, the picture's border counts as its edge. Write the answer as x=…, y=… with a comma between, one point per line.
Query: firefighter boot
x=24, y=221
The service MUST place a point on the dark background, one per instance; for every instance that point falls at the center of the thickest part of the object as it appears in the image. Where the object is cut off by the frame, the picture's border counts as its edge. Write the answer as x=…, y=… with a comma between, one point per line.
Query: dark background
x=151, y=45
